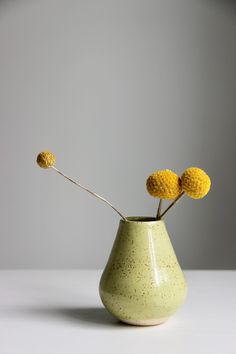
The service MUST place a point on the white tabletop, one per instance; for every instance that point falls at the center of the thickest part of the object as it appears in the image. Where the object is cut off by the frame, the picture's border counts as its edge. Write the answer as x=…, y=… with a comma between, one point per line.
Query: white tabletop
x=55, y=312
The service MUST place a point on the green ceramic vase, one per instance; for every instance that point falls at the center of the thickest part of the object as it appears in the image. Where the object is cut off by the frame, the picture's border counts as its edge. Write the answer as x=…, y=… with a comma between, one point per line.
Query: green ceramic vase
x=142, y=283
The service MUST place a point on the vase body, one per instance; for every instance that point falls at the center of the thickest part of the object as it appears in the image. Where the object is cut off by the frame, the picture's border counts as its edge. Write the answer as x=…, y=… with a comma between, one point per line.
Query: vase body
x=142, y=283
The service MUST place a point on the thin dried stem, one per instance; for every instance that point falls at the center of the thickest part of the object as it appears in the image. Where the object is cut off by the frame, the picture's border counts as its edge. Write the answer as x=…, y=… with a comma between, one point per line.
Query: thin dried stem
x=172, y=204
x=89, y=191
x=159, y=210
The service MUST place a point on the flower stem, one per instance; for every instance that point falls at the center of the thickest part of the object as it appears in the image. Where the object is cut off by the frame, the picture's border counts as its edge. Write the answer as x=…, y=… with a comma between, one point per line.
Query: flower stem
x=159, y=210
x=172, y=204
x=89, y=191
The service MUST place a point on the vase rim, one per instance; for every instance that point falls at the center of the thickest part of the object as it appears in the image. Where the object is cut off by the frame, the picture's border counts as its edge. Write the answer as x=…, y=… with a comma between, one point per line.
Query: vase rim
x=141, y=219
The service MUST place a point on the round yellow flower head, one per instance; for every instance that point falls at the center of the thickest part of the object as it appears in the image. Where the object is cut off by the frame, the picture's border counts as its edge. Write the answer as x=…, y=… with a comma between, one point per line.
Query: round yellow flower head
x=46, y=159
x=195, y=182
x=164, y=184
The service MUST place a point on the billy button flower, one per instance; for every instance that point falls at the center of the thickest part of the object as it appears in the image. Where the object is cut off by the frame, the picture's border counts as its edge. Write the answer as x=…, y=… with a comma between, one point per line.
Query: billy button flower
x=163, y=184
x=195, y=183
x=46, y=159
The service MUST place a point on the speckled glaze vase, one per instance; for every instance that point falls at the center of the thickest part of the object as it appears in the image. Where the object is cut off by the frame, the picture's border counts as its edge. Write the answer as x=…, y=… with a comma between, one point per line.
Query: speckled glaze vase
x=142, y=283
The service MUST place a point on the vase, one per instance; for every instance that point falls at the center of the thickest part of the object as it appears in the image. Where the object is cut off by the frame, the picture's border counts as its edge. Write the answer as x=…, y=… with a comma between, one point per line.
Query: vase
x=142, y=283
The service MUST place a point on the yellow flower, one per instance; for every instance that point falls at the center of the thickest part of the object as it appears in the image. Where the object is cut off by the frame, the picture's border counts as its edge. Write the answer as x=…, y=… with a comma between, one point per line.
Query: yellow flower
x=164, y=184
x=195, y=182
x=46, y=159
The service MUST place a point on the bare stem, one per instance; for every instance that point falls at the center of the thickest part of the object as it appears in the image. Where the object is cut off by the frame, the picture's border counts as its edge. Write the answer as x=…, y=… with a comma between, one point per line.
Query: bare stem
x=159, y=210
x=172, y=204
x=89, y=191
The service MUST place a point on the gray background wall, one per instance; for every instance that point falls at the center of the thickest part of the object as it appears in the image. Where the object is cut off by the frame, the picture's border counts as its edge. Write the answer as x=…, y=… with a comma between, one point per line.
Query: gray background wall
x=116, y=89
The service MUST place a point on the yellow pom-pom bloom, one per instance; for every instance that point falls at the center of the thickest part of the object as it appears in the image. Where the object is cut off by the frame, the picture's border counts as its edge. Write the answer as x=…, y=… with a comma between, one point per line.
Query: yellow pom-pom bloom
x=195, y=182
x=46, y=159
x=164, y=184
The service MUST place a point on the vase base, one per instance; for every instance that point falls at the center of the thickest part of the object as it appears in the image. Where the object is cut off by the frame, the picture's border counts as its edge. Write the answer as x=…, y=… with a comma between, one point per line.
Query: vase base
x=155, y=322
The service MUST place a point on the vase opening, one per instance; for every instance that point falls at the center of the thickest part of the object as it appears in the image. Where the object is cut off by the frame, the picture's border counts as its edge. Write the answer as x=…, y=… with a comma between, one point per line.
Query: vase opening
x=140, y=219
